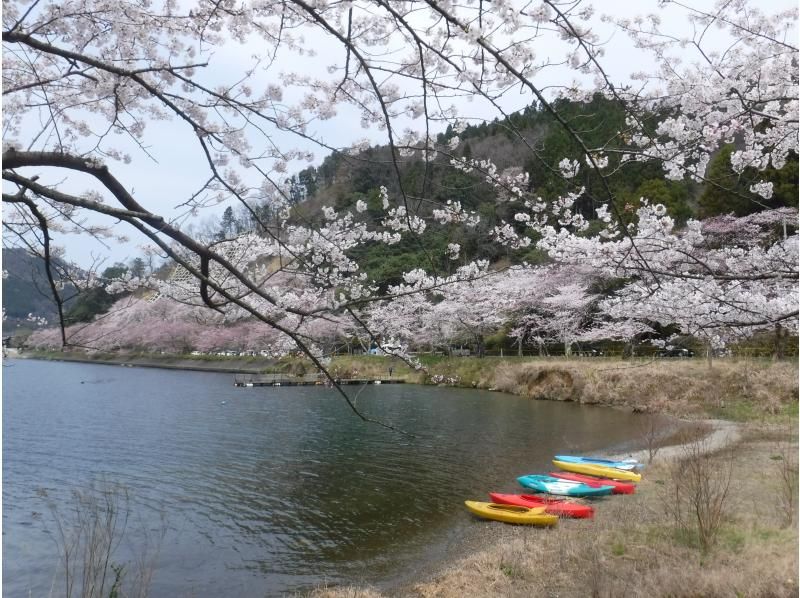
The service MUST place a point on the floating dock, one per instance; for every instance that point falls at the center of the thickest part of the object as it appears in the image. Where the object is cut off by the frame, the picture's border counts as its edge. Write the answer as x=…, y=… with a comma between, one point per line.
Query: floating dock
x=252, y=380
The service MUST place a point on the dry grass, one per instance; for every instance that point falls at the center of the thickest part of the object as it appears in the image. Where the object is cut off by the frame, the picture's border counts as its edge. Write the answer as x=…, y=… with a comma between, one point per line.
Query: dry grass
x=633, y=549
x=334, y=592
x=732, y=389
x=697, y=492
x=785, y=458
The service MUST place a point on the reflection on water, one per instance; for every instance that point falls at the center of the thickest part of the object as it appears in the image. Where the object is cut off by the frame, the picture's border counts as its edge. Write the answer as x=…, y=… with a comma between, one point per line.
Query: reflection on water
x=267, y=489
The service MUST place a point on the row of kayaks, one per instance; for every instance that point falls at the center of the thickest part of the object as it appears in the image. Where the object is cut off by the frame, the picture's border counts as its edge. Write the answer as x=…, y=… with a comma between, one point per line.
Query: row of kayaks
x=578, y=477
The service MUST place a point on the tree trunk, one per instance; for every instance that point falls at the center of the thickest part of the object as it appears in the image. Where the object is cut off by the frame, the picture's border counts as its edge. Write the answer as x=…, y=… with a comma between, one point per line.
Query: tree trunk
x=710, y=356
x=780, y=337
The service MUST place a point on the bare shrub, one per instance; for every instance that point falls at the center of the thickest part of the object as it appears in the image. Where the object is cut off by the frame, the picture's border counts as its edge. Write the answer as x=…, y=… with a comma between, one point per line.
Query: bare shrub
x=767, y=402
x=651, y=433
x=88, y=534
x=785, y=459
x=697, y=492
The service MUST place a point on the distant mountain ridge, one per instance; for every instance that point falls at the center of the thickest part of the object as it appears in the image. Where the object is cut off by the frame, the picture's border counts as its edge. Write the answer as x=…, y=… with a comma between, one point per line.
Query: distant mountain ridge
x=26, y=290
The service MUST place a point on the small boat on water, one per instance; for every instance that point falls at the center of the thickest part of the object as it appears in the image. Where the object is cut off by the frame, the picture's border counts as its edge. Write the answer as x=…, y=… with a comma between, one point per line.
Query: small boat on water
x=600, y=471
x=551, y=485
x=626, y=464
x=511, y=513
x=619, y=487
x=555, y=506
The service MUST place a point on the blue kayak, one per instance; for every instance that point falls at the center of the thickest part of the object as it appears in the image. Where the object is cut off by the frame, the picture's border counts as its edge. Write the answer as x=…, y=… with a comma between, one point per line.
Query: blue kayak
x=551, y=485
x=625, y=464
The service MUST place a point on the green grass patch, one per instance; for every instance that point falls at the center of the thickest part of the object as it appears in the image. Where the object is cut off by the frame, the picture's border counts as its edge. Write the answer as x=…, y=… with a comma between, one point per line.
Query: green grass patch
x=731, y=539
x=618, y=549
x=739, y=411
x=749, y=411
x=511, y=571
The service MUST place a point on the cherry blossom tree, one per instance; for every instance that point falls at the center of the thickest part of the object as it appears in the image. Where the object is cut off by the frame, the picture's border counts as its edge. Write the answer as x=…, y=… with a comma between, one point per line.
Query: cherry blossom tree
x=87, y=85
x=558, y=317
x=707, y=285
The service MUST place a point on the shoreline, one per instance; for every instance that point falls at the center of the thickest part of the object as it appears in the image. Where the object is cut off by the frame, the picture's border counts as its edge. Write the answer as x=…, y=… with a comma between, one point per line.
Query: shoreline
x=492, y=559
x=719, y=436
x=735, y=390
x=238, y=366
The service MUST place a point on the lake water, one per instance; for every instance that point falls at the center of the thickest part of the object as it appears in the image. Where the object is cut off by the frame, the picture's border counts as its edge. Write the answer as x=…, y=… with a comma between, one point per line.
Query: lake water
x=261, y=491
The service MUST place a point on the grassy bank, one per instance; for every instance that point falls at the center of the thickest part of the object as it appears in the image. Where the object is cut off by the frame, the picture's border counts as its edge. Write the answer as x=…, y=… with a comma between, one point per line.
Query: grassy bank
x=206, y=363
x=740, y=390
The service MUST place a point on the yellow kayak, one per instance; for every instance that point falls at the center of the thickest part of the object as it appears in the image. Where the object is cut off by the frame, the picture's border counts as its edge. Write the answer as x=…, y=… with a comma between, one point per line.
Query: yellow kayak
x=599, y=470
x=511, y=513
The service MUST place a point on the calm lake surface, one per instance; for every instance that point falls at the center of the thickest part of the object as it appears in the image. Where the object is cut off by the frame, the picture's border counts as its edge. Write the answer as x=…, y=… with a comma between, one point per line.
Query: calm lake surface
x=266, y=490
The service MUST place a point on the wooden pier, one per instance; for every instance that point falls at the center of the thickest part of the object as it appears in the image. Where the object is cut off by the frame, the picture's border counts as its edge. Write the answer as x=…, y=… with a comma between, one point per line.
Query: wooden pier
x=252, y=380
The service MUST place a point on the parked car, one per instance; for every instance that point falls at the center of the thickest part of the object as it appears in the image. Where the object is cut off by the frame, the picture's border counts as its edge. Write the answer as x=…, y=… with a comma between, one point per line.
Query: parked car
x=675, y=352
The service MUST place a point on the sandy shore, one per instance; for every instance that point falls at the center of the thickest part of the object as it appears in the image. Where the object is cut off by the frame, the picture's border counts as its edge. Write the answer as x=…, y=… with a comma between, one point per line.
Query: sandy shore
x=720, y=435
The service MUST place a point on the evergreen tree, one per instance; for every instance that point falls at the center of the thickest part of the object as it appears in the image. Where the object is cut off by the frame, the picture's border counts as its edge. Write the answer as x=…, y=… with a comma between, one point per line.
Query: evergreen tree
x=228, y=224
x=138, y=268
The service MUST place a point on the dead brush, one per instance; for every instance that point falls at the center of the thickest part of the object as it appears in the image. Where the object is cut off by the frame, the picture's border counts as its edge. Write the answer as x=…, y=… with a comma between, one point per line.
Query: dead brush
x=88, y=535
x=651, y=432
x=697, y=492
x=785, y=459
x=549, y=382
x=505, y=380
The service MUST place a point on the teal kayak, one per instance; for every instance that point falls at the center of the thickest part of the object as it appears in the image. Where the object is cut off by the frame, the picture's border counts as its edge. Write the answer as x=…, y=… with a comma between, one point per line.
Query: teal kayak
x=550, y=485
x=625, y=464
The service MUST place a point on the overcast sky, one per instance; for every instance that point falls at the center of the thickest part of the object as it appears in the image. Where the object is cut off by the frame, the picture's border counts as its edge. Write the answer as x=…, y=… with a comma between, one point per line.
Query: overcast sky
x=177, y=166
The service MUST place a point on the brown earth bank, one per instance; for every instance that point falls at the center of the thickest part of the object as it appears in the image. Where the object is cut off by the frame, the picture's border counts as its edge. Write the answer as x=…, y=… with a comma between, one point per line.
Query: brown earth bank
x=716, y=512
x=736, y=389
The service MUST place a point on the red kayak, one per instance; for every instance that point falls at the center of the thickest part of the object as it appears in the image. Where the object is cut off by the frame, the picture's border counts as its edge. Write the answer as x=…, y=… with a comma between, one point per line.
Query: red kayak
x=619, y=487
x=554, y=506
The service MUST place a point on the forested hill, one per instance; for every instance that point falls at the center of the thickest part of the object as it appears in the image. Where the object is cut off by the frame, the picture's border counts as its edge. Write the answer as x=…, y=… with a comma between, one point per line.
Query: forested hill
x=27, y=297
x=530, y=141
x=25, y=290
